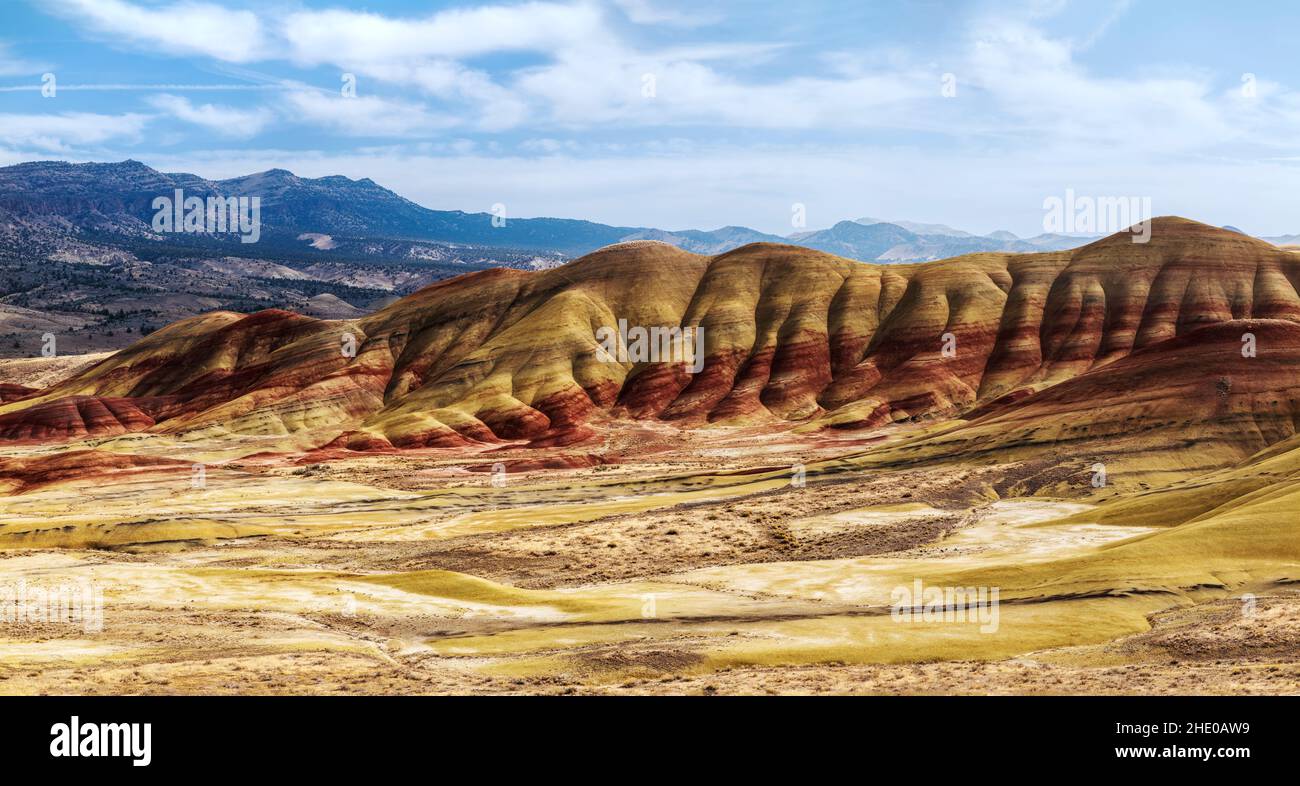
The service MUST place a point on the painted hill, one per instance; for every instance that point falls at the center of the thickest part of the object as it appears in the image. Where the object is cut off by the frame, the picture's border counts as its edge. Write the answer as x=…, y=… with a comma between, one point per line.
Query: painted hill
x=1041, y=347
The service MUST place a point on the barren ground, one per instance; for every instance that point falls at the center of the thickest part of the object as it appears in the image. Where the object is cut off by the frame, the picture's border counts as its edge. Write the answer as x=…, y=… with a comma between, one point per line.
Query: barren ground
x=694, y=564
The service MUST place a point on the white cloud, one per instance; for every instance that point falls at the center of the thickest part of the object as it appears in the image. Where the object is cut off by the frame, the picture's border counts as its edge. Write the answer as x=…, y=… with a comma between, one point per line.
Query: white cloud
x=424, y=53
x=1034, y=82
x=645, y=12
x=223, y=120
x=186, y=28
x=352, y=37
x=494, y=108
x=592, y=77
x=62, y=132
x=1022, y=92
x=548, y=146
x=687, y=92
x=366, y=115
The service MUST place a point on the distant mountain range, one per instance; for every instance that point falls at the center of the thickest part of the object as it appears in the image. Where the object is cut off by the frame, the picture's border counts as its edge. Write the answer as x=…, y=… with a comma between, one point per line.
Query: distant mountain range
x=79, y=256
x=333, y=217
x=1283, y=240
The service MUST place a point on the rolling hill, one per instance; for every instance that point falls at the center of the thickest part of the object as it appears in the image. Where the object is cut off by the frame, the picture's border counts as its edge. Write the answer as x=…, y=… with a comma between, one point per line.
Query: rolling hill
x=1039, y=347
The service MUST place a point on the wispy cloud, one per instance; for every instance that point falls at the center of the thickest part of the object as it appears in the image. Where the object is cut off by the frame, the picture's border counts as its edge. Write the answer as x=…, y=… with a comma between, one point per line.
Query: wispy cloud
x=187, y=28
x=351, y=37
x=365, y=115
x=1020, y=82
x=1035, y=81
x=647, y=12
x=1117, y=12
x=68, y=130
x=223, y=120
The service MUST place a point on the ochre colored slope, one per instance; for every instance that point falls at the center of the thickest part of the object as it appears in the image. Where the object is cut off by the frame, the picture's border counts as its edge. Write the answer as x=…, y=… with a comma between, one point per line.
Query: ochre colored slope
x=73, y=417
x=1196, y=399
x=1232, y=528
x=18, y=475
x=789, y=334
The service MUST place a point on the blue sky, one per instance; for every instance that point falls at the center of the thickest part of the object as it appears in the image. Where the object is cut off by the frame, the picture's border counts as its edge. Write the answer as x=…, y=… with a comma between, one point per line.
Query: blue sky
x=756, y=106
